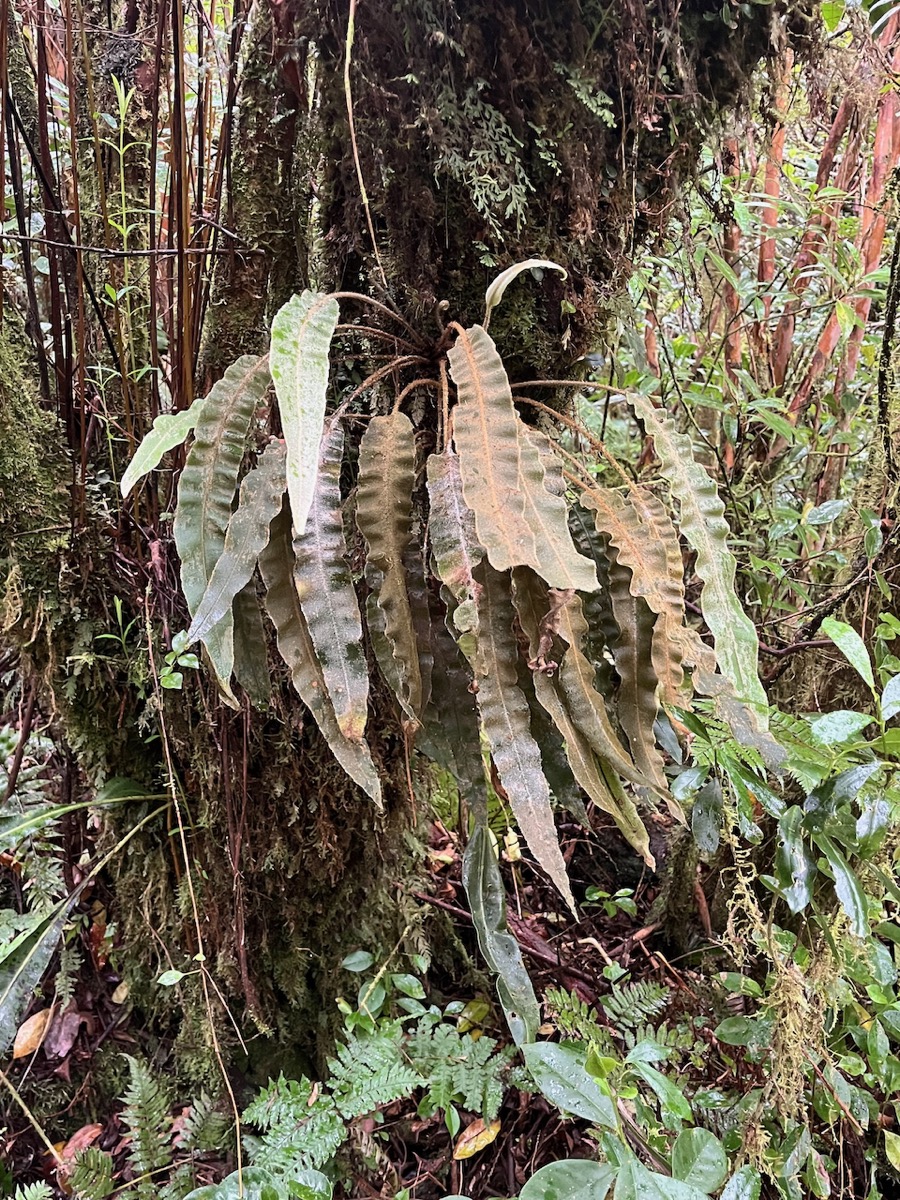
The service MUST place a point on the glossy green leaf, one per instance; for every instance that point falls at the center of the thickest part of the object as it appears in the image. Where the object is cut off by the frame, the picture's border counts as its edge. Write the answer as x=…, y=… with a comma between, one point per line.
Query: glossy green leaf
x=851, y=646
x=570, y=1179
x=698, y=1158
x=296, y=648
x=872, y=824
x=498, y=286
x=328, y=597
x=387, y=471
x=703, y=524
x=745, y=1184
x=168, y=431
x=259, y=504
x=301, y=339
x=518, y=520
x=559, y=1073
x=669, y=1095
x=795, y=868
x=507, y=726
x=635, y=1182
x=846, y=886
x=23, y=963
x=487, y=903
x=205, y=493
x=706, y=816
x=890, y=699
x=842, y=725
x=892, y=1148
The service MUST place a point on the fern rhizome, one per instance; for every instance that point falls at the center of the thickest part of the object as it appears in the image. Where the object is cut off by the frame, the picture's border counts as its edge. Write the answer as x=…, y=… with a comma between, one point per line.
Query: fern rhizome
x=483, y=612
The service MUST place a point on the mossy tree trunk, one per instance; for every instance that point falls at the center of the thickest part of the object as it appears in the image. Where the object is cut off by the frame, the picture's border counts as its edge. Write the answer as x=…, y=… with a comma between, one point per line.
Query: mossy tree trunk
x=486, y=133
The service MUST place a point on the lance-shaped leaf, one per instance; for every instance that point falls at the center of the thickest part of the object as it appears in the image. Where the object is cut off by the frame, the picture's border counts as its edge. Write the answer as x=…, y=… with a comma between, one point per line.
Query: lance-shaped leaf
x=451, y=530
x=498, y=286
x=518, y=520
x=563, y=784
x=295, y=645
x=487, y=902
x=597, y=606
x=597, y=779
x=646, y=542
x=327, y=595
x=703, y=524
x=636, y=701
x=505, y=717
x=450, y=735
x=387, y=471
x=259, y=504
x=206, y=491
x=301, y=339
x=251, y=651
x=168, y=431
x=24, y=961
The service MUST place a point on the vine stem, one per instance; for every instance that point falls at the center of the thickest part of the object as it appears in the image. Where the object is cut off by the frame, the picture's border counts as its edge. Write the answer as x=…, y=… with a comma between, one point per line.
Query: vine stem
x=348, y=93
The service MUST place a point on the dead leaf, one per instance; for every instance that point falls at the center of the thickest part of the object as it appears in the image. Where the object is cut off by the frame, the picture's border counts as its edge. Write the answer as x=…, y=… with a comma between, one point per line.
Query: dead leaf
x=120, y=995
x=62, y=1034
x=31, y=1033
x=80, y=1140
x=475, y=1137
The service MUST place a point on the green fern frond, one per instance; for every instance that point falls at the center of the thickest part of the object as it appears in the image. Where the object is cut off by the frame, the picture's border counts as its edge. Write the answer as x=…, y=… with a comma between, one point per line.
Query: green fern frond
x=458, y=1070
x=371, y=1071
x=33, y=1191
x=146, y=1114
x=92, y=1175
x=635, y=1003
x=575, y=1019
x=204, y=1126
x=298, y=1132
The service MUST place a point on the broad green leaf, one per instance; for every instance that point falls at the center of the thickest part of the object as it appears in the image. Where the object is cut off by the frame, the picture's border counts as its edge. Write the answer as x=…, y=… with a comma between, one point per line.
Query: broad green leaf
x=301, y=339
x=830, y=729
x=498, y=286
x=487, y=902
x=892, y=1148
x=635, y=1182
x=872, y=824
x=646, y=543
x=847, y=887
x=851, y=646
x=328, y=597
x=832, y=12
x=706, y=816
x=824, y=514
x=745, y=1184
x=699, y=1159
x=296, y=648
x=571, y=1179
x=168, y=431
x=518, y=520
x=794, y=865
x=703, y=524
x=206, y=491
x=505, y=717
x=387, y=472
x=24, y=962
x=261, y=494
x=559, y=1073
x=668, y=1094
x=890, y=699
x=755, y=1032
x=255, y=1183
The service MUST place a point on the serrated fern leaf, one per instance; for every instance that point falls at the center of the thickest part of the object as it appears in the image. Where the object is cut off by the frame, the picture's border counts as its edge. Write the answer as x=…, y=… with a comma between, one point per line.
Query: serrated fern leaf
x=33, y=1191
x=146, y=1116
x=92, y=1175
x=631, y=1004
x=298, y=1130
x=301, y=339
x=370, y=1071
x=204, y=1127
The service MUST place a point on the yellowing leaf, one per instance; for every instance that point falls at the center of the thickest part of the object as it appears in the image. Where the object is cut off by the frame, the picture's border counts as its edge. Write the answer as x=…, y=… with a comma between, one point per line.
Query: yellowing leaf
x=474, y=1138
x=892, y=1148
x=498, y=286
x=30, y=1034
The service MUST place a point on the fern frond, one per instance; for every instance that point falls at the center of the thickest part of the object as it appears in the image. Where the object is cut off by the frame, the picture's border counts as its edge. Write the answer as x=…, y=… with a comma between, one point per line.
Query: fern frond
x=92, y=1175
x=204, y=1127
x=634, y=1003
x=456, y=1069
x=297, y=1134
x=33, y=1191
x=576, y=1019
x=146, y=1114
x=371, y=1071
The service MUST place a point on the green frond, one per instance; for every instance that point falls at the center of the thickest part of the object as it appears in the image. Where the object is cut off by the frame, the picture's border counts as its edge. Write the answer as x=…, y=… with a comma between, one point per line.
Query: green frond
x=92, y=1175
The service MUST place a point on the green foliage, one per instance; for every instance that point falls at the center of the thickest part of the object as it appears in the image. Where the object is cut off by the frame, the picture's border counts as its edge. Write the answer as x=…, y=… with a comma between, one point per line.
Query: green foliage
x=91, y=1177
x=146, y=1115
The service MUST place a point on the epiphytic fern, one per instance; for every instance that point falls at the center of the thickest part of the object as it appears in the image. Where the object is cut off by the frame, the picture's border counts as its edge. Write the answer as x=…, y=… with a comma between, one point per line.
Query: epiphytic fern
x=472, y=586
